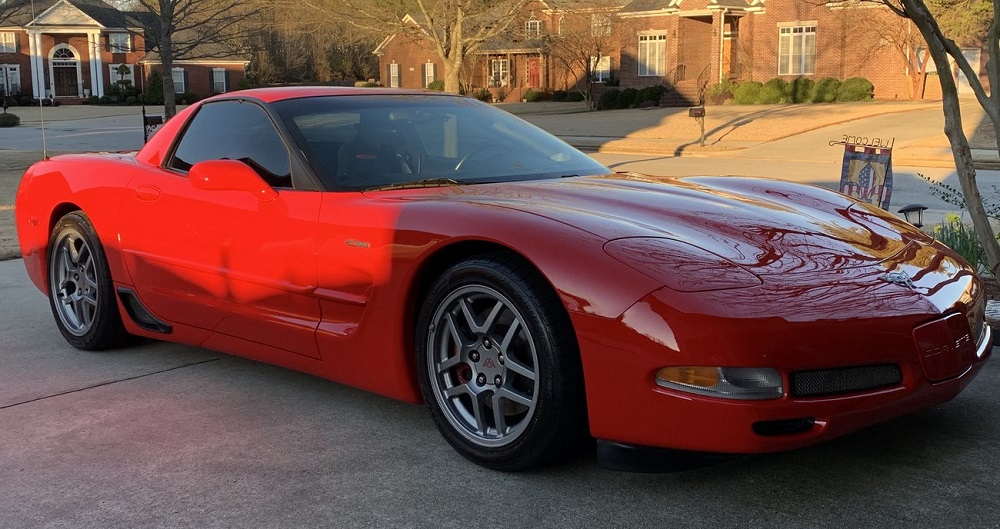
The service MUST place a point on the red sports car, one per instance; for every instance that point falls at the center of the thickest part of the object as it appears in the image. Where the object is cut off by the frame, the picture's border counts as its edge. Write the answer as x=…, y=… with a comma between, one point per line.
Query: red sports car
x=434, y=249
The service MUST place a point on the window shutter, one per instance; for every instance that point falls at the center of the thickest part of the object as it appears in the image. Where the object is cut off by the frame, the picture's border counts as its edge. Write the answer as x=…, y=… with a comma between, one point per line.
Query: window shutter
x=187, y=83
x=423, y=74
x=226, y=77
x=388, y=76
x=211, y=81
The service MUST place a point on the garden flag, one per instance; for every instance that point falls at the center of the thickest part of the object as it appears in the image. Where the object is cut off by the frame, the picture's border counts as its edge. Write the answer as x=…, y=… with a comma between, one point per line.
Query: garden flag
x=867, y=174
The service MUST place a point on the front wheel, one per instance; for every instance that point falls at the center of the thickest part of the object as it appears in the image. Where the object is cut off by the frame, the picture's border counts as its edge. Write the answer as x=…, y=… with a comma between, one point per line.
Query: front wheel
x=81, y=293
x=498, y=365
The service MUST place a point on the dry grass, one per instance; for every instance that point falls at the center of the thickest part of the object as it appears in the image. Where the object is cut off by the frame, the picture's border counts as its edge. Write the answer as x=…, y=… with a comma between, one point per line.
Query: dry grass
x=12, y=166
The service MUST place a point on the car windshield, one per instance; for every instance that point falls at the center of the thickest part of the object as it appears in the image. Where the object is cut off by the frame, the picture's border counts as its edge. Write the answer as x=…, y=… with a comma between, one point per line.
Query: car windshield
x=375, y=141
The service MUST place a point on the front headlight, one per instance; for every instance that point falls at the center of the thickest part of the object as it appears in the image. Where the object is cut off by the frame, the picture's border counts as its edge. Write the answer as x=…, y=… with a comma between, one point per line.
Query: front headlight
x=738, y=383
x=680, y=266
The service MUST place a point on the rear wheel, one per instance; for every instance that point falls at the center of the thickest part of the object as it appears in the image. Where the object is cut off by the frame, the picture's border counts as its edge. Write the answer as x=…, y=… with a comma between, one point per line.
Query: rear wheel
x=81, y=293
x=499, y=366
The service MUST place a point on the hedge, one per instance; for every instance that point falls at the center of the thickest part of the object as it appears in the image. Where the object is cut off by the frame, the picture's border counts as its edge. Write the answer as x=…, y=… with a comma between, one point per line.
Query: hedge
x=855, y=89
x=609, y=99
x=747, y=92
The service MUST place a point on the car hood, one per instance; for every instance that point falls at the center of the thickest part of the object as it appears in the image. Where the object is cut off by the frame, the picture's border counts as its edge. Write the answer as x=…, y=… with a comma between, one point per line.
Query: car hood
x=767, y=226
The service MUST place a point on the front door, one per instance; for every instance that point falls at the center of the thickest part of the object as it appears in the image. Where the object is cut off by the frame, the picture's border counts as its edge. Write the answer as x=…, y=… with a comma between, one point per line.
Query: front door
x=534, y=77
x=65, y=79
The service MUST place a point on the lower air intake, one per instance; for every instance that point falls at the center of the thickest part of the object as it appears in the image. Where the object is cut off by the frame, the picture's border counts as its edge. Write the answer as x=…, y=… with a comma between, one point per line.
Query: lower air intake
x=826, y=382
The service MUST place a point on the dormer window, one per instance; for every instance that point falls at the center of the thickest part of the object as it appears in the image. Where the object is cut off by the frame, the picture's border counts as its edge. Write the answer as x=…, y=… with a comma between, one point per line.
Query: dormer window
x=533, y=27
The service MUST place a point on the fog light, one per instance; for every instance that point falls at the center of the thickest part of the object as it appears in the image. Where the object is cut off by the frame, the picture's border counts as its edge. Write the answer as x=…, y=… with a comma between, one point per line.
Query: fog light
x=739, y=383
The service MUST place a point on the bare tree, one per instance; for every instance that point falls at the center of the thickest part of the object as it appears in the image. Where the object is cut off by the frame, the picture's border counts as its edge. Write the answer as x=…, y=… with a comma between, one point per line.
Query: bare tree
x=940, y=47
x=191, y=29
x=589, y=36
x=455, y=29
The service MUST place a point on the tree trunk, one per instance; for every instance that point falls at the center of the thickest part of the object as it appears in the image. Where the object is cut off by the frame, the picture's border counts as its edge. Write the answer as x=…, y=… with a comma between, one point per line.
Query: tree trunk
x=918, y=12
x=167, y=59
x=452, y=76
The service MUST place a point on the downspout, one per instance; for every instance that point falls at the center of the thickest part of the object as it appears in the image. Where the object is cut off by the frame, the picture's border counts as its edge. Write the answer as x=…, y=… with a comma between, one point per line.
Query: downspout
x=722, y=39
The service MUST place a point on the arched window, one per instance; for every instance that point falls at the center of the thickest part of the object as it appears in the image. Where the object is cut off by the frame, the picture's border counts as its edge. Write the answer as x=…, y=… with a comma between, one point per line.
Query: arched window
x=64, y=54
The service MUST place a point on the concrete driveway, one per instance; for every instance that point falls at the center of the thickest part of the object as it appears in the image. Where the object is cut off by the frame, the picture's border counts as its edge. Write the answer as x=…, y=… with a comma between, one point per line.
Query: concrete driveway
x=160, y=435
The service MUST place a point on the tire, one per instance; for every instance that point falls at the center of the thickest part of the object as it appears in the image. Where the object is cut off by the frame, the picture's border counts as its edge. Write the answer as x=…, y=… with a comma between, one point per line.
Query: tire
x=498, y=365
x=81, y=292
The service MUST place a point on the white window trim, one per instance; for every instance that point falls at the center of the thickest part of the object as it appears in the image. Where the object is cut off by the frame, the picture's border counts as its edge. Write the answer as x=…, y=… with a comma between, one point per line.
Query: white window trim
x=179, y=87
x=533, y=27
x=216, y=81
x=394, y=75
x=600, y=25
x=8, y=73
x=600, y=69
x=429, y=74
x=113, y=73
x=499, y=73
x=8, y=42
x=652, y=39
x=115, y=48
x=791, y=32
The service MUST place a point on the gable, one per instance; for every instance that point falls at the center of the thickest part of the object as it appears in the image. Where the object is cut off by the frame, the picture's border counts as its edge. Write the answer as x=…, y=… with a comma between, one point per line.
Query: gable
x=64, y=14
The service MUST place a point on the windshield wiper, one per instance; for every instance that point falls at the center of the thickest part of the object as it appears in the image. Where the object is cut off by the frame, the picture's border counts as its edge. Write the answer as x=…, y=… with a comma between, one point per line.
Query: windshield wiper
x=427, y=182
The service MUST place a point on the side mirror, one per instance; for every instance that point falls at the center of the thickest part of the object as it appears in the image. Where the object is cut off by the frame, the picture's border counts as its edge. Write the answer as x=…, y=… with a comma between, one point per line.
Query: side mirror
x=230, y=175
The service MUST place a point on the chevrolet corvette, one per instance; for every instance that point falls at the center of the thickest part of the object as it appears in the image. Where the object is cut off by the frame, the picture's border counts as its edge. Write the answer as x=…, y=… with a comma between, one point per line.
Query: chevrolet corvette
x=434, y=249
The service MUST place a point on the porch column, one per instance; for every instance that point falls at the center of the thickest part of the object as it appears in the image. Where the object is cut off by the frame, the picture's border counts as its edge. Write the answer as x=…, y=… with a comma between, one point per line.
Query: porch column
x=99, y=68
x=34, y=53
x=91, y=50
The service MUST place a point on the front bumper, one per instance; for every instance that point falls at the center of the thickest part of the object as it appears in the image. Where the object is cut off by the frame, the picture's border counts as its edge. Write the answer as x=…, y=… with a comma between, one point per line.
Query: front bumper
x=628, y=408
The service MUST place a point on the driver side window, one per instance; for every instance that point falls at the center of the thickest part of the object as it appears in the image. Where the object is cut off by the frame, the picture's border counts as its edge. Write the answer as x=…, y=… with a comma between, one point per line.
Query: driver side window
x=235, y=130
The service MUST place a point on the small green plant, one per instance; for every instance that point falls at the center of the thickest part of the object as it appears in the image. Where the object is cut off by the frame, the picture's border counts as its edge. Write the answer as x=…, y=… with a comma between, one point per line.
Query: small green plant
x=559, y=96
x=533, y=96
x=770, y=95
x=436, y=85
x=574, y=97
x=719, y=93
x=800, y=90
x=483, y=94
x=953, y=233
x=9, y=120
x=954, y=197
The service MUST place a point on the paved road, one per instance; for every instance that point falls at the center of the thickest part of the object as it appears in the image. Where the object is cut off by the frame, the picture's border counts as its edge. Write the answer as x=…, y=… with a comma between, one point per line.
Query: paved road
x=161, y=435
x=114, y=133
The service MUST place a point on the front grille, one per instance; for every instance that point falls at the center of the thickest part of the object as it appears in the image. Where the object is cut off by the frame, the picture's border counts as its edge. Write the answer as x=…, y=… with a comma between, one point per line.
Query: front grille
x=825, y=382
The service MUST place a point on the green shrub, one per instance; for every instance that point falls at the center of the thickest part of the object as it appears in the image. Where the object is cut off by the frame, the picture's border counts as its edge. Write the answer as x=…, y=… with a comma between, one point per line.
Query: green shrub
x=9, y=120
x=778, y=83
x=154, y=88
x=105, y=100
x=855, y=89
x=719, y=93
x=652, y=94
x=26, y=101
x=131, y=100
x=574, y=97
x=746, y=93
x=957, y=236
x=770, y=95
x=433, y=85
x=93, y=100
x=369, y=84
x=11, y=101
x=825, y=91
x=483, y=94
x=559, y=96
x=800, y=90
x=609, y=99
x=626, y=99
x=533, y=96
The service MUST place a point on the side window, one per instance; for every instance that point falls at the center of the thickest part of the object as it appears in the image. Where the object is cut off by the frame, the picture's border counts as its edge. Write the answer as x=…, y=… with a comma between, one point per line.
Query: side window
x=235, y=130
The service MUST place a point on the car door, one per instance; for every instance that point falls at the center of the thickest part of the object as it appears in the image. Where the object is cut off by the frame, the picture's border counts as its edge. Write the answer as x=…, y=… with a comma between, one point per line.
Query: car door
x=227, y=261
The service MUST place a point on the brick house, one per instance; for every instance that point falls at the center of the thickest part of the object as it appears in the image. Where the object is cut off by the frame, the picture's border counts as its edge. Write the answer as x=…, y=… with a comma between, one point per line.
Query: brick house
x=681, y=44
x=71, y=49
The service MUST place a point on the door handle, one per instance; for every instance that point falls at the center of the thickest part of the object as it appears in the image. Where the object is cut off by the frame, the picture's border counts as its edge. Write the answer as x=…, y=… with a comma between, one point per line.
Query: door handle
x=147, y=193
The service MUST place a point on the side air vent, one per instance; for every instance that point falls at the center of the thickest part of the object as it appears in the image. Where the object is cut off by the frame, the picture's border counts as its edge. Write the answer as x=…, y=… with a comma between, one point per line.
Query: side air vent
x=826, y=382
x=139, y=314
